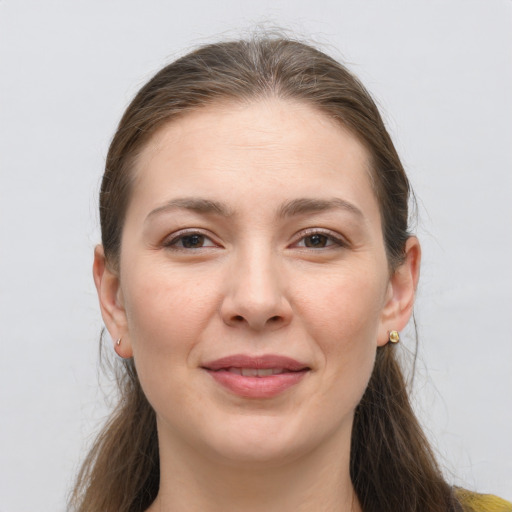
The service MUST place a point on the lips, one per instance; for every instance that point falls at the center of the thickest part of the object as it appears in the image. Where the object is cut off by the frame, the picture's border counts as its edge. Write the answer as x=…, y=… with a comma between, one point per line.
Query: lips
x=256, y=377
x=257, y=372
x=259, y=362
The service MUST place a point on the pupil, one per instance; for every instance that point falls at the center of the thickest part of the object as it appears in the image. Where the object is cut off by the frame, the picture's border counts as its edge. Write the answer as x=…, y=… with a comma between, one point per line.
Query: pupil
x=316, y=241
x=192, y=241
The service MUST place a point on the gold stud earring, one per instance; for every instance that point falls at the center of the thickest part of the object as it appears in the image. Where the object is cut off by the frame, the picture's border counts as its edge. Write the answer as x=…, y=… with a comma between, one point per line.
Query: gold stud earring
x=118, y=341
x=394, y=337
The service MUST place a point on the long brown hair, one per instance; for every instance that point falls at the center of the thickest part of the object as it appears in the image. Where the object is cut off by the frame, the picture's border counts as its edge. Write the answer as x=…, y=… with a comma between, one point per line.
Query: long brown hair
x=392, y=466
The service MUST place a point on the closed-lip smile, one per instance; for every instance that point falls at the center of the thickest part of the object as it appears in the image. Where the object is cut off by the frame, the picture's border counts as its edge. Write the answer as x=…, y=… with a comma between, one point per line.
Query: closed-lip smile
x=262, y=376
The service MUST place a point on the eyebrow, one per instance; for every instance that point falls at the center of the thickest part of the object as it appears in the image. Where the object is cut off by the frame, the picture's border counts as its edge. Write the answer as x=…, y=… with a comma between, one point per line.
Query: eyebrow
x=196, y=204
x=291, y=208
x=311, y=205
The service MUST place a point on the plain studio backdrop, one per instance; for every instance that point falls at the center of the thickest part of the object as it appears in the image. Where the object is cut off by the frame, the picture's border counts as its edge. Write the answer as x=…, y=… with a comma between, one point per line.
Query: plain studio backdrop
x=441, y=72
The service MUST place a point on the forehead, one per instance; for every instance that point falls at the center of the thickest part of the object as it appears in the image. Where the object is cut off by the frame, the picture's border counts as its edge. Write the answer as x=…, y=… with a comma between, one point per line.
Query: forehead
x=272, y=146
x=267, y=121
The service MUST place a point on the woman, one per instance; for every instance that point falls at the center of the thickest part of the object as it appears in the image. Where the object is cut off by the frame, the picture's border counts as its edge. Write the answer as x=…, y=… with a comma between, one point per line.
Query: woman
x=255, y=271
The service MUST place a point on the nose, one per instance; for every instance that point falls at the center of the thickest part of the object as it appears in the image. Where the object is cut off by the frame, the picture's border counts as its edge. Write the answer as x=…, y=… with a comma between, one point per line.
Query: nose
x=256, y=294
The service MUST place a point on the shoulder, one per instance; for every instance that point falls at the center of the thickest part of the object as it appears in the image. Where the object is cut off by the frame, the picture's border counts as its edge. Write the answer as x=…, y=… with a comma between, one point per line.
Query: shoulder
x=474, y=502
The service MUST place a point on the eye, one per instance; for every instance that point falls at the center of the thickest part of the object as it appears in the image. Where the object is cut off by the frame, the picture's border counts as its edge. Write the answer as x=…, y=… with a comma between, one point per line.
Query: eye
x=316, y=241
x=190, y=241
x=319, y=240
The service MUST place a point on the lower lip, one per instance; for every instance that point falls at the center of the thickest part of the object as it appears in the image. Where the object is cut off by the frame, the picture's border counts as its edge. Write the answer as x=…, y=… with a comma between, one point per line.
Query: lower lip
x=257, y=387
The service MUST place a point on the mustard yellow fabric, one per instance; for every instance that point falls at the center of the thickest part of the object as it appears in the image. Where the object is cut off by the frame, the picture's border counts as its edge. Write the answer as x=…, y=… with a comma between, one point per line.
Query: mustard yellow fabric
x=474, y=502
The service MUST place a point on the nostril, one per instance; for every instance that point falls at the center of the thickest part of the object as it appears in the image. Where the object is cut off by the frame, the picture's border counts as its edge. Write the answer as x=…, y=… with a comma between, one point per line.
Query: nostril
x=274, y=319
x=238, y=318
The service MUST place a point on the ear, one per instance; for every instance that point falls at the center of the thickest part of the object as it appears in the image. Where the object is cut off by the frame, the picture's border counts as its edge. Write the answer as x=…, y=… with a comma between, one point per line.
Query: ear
x=401, y=292
x=111, y=302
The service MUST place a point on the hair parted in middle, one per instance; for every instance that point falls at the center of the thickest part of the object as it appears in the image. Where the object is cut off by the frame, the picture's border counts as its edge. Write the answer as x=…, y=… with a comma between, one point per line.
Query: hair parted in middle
x=392, y=466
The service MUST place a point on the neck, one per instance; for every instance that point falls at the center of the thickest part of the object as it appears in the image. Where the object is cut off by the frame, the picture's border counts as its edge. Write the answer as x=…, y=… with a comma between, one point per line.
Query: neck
x=317, y=481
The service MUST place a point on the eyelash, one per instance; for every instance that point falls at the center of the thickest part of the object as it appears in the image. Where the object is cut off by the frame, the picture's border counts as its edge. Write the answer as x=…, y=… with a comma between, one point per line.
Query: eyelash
x=336, y=240
x=179, y=237
x=332, y=240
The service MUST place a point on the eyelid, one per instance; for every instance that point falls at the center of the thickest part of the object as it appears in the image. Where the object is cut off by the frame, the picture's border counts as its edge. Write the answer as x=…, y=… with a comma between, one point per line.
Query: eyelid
x=338, y=239
x=171, y=240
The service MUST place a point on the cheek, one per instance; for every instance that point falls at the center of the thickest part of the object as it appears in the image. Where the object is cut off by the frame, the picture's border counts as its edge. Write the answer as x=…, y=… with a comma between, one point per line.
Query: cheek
x=166, y=313
x=343, y=317
x=166, y=316
x=345, y=306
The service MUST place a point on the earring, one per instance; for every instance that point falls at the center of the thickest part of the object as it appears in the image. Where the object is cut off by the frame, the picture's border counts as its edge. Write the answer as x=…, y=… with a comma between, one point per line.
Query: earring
x=118, y=341
x=394, y=337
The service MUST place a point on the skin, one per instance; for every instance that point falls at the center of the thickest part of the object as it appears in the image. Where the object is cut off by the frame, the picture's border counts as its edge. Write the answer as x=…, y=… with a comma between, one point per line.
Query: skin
x=255, y=284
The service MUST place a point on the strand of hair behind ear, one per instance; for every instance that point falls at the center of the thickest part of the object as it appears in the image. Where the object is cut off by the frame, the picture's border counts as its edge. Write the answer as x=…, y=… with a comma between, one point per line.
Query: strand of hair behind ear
x=392, y=465
x=121, y=472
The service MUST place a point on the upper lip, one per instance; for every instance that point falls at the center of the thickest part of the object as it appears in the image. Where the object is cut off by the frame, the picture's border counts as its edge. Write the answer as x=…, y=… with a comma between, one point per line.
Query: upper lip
x=259, y=362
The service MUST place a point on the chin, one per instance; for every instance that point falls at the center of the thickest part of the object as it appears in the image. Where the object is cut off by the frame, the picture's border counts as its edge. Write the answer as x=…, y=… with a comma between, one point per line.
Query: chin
x=266, y=442
x=256, y=455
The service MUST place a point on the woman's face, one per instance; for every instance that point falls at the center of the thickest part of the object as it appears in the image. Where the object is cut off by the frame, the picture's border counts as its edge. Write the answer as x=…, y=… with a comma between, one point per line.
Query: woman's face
x=253, y=287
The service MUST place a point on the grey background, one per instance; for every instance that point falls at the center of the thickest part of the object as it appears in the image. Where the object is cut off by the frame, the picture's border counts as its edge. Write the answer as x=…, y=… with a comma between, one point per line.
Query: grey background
x=442, y=74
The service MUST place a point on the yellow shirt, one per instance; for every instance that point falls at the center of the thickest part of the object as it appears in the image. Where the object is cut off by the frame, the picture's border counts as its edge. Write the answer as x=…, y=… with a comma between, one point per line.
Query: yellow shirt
x=474, y=502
